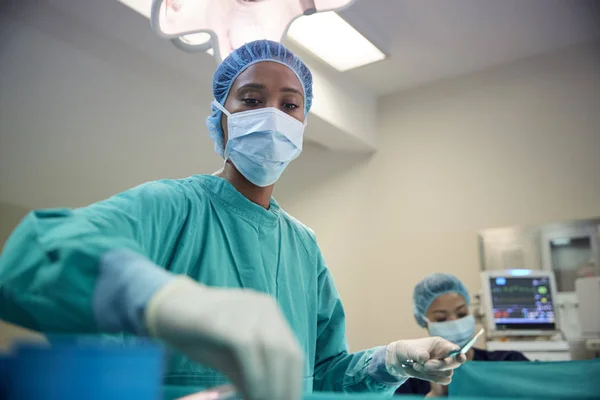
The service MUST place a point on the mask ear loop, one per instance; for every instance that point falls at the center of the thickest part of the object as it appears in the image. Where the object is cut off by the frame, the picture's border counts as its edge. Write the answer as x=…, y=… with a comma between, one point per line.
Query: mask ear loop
x=216, y=173
x=227, y=114
x=221, y=108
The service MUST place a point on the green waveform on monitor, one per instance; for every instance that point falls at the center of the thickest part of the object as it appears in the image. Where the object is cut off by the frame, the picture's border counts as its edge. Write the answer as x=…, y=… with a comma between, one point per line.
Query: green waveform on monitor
x=513, y=289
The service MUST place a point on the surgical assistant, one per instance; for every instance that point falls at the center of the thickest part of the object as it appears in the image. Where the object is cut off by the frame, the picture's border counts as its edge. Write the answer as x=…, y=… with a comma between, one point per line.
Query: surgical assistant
x=211, y=264
x=441, y=304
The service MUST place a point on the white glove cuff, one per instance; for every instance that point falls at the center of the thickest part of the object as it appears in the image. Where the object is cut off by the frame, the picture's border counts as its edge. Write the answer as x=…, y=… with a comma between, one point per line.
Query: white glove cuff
x=392, y=362
x=179, y=285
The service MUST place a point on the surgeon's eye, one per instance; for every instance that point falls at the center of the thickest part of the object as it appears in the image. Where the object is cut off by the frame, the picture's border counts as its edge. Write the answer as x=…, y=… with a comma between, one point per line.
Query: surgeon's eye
x=461, y=315
x=290, y=106
x=250, y=102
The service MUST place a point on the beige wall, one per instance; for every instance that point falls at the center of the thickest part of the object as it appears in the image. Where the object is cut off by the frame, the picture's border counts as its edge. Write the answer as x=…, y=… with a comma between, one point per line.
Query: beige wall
x=517, y=144
x=10, y=216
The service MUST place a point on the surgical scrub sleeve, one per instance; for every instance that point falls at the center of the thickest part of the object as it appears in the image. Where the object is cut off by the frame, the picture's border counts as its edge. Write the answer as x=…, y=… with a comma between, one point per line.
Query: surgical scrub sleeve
x=92, y=270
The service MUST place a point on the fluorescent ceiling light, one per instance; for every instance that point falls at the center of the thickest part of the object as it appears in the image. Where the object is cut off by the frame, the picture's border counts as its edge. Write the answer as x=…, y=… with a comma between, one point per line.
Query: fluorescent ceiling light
x=335, y=41
x=141, y=6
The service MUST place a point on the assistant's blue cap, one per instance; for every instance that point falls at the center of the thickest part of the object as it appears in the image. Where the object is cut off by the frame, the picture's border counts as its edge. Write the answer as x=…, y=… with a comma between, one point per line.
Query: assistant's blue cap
x=237, y=62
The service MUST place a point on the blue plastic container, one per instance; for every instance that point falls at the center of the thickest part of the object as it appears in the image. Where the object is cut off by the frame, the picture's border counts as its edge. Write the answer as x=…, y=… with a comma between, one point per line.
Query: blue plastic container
x=4, y=375
x=86, y=369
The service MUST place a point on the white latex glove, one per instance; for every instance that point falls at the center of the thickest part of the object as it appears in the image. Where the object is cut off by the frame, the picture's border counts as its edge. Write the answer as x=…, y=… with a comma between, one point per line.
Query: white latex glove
x=429, y=354
x=437, y=390
x=239, y=332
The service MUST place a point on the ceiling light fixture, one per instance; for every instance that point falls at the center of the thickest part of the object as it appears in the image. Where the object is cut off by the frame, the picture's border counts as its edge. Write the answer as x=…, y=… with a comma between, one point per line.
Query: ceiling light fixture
x=220, y=26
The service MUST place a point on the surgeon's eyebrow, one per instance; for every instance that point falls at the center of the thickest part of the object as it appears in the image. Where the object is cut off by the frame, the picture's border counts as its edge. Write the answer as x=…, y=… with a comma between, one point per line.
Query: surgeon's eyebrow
x=256, y=86
x=443, y=312
x=292, y=90
x=259, y=86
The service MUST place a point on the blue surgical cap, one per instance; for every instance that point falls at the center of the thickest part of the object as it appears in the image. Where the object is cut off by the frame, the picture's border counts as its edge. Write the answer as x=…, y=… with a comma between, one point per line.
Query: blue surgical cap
x=237, y=62
x=431, y=288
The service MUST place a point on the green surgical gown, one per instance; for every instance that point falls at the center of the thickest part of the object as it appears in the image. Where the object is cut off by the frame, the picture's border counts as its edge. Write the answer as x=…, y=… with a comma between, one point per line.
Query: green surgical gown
x=201, y=227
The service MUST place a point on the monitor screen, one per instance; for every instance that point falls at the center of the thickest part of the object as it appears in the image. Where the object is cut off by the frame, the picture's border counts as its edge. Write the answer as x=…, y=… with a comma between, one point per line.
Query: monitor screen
x=522, y=303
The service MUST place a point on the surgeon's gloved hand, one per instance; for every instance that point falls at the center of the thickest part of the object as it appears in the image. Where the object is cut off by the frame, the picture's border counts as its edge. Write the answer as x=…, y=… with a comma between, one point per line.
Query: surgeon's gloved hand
x=429, y=356
x=239, y=332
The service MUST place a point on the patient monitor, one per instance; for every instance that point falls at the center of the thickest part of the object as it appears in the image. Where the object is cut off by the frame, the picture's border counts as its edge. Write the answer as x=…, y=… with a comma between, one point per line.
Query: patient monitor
x=520, y=303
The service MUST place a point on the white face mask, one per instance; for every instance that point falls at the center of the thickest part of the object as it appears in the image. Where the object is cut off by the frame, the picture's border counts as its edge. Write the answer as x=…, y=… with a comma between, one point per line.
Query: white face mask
x=458, y=331
x=261, y=143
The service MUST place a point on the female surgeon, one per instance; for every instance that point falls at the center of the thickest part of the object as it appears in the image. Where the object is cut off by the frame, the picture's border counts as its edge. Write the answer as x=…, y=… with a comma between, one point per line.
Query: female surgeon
x=211, y=265
x=441, y=304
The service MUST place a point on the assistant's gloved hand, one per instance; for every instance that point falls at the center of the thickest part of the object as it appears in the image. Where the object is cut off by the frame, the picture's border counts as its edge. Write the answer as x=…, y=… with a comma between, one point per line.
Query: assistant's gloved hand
x=429, y=355
x=437, y=390
x=239, y=332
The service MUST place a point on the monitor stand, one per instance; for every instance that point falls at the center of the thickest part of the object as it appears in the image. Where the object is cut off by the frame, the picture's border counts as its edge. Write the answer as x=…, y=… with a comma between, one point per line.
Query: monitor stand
x=535, y=350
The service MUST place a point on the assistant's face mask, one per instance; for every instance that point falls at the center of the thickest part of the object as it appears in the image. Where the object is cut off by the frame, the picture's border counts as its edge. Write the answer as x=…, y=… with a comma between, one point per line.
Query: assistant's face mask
x=261, y=143
x=458, y=331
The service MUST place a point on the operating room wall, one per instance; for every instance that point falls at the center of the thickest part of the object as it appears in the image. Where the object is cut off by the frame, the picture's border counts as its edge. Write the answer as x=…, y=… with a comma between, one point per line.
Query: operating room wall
x=10, y=215
x=513, y=145
x=83, y=117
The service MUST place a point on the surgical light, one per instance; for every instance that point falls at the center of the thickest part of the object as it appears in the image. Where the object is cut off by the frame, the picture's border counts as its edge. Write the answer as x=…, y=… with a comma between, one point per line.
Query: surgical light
x=220, y=26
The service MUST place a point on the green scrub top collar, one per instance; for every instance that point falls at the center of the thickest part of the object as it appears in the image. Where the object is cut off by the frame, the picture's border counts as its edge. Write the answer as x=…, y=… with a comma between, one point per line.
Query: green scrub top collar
x=228, y=195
